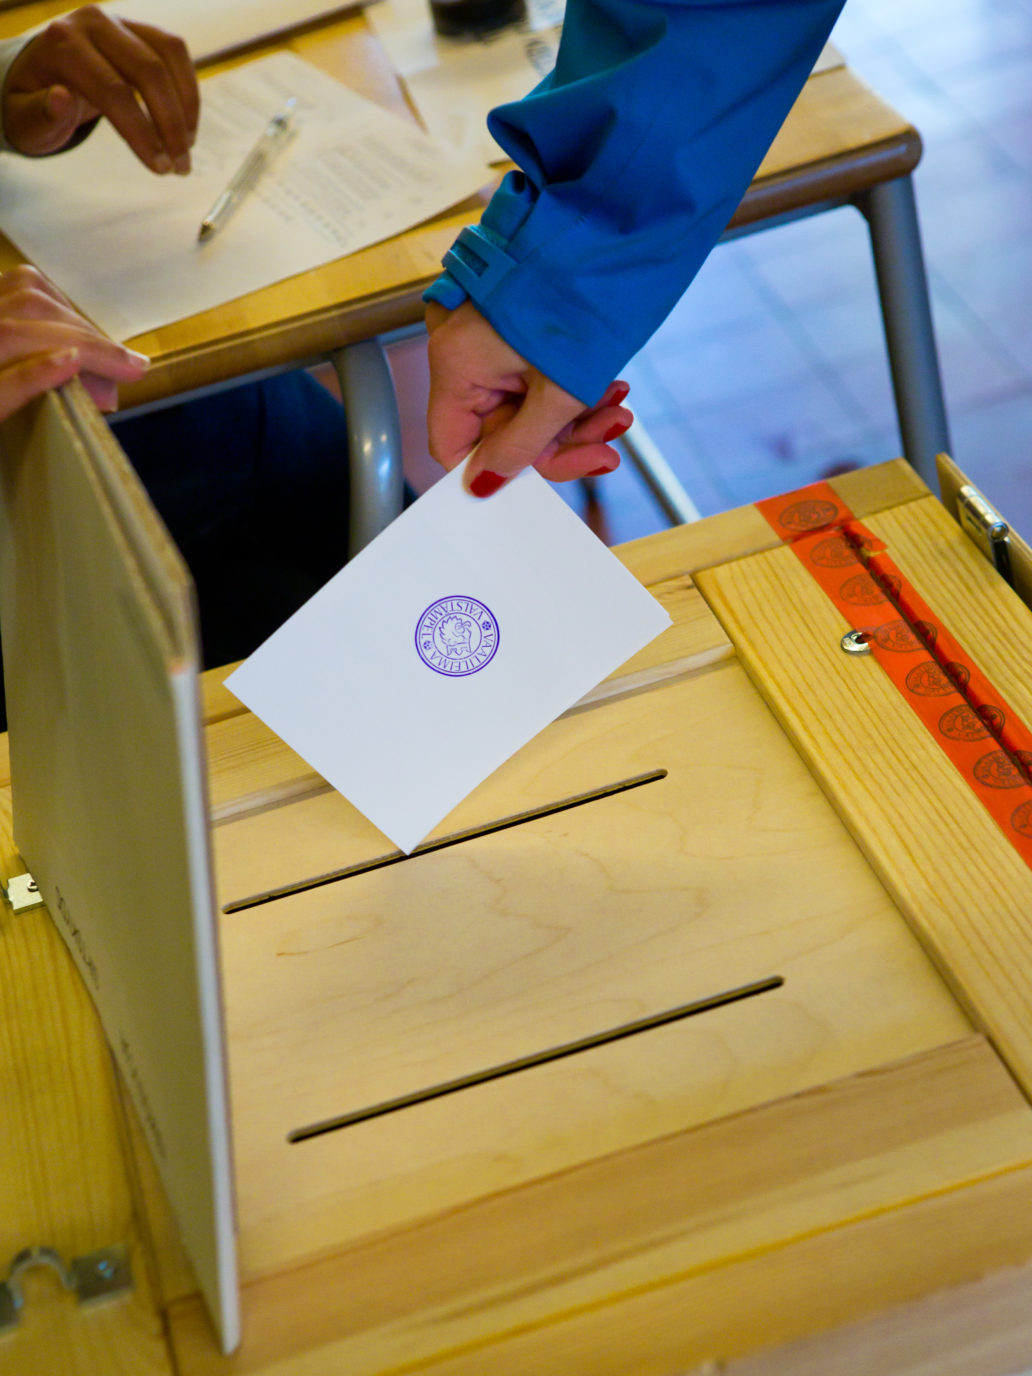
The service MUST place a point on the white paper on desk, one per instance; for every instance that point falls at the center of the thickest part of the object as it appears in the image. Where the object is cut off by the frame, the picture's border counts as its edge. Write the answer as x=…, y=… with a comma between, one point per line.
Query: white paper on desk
x=212, y=27
x=122, y=243
x=454, y=82
x=405, y=722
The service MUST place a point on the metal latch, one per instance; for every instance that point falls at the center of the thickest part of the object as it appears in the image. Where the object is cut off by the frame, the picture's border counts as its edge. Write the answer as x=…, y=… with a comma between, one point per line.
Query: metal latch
x=23, y=893
x=986, y=527
x=94, y=1276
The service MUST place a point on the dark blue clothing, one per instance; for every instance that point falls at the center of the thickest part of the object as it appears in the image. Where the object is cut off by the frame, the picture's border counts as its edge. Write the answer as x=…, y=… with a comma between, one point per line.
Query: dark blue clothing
x=253, y=486
x=634, y=154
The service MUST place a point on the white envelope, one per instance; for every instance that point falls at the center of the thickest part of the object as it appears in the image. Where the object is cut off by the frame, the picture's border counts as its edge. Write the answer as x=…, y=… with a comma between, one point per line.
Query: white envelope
x=459, y=633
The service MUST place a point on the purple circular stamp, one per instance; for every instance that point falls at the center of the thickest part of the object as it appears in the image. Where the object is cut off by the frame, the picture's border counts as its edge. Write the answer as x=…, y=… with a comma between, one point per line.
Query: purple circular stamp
x=456, y=636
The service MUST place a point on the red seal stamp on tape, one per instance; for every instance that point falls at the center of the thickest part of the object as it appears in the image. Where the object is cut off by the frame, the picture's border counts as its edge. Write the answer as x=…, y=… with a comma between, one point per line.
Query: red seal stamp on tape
x=928, y=680
x=898, y=637
x=961, y=723
x=1021, y=819
x=861, y=591
x=808, y=515
x=835, y=552
x=998, y=770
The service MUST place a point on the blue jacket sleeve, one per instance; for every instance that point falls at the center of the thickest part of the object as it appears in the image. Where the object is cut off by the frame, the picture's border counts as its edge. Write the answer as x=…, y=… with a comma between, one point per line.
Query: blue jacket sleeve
x=633, y=154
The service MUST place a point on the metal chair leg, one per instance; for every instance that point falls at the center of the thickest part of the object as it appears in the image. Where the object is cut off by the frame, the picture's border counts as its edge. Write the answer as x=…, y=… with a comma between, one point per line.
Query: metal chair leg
x=891, y=214
x=658, y=476
x=374, y=440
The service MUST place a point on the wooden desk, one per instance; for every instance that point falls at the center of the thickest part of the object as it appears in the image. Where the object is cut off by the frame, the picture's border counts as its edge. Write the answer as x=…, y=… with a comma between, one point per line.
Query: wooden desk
x=840, y=144
x=832, y=1132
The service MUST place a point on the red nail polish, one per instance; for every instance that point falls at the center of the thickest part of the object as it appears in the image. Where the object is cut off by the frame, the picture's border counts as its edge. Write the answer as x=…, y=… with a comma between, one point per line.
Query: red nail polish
x=622, y=389
x=614, y=432
x=485, y=483
x=598, y=473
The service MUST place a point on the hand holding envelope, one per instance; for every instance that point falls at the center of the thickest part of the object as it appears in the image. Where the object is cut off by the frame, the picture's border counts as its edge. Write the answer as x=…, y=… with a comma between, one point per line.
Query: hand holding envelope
x=457, y=635
x=483, y=393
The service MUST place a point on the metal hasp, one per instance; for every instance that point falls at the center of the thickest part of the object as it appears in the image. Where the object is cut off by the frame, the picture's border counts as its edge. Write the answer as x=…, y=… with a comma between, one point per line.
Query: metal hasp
x=23, y=893
x=984, y=525
x=97, y=1275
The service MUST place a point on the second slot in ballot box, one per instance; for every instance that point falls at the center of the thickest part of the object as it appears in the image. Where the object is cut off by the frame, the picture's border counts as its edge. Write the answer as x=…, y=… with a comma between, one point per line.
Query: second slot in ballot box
x=703, y=1024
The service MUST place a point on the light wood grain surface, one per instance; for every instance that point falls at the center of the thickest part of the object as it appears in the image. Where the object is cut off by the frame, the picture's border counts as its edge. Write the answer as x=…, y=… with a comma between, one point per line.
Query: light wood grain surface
x=962, y=886
x=64, y=1173
x=825, y=1148
x=730, y=870
x=251, y=768
x=983, y=1328
x=760, y=1225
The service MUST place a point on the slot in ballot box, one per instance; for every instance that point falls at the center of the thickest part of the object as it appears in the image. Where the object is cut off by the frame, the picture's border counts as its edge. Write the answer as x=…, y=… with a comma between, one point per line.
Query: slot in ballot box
x=704, y=1023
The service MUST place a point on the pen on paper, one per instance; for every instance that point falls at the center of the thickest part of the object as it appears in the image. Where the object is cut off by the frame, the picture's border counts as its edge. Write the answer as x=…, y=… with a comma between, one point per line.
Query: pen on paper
x=272, y=140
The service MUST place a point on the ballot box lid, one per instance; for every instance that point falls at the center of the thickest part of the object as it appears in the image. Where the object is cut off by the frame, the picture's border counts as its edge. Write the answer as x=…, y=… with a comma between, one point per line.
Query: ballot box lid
x=110, y=795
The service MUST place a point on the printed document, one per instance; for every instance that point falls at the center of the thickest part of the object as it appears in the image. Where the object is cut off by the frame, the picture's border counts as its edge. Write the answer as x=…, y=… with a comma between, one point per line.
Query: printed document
x=211, y=27
x=462, y=631
x=122, y=243
x=454, y=82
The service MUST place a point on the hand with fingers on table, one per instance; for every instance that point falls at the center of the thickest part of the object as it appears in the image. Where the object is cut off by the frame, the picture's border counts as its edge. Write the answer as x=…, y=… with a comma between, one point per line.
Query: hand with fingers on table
x=44, y=342
x=483, y=393
x=90, y=64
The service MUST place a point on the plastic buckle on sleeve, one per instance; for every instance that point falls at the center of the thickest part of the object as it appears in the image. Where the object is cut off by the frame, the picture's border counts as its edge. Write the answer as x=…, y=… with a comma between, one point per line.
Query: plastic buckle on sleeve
x=476, y=262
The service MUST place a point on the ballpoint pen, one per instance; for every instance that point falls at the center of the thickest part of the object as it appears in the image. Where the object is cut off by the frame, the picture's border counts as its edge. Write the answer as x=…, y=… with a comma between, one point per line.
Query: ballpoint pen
x=250, y=170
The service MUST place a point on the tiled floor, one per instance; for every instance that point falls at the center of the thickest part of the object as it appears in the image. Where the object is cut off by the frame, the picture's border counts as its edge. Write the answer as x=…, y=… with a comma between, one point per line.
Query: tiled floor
x=771, y=372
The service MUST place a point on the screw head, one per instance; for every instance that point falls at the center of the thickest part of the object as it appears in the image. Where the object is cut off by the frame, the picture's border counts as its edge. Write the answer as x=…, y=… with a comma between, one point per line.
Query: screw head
x=856, y=643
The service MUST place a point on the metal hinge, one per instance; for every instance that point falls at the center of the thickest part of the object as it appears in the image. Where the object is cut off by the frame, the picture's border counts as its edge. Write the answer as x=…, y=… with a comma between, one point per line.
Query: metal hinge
x=984, y=525
x=23, y=893
x=97, y=1275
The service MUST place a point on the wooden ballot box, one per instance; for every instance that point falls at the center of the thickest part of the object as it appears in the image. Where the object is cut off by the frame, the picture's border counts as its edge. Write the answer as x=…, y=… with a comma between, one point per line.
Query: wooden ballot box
x=703, y=1024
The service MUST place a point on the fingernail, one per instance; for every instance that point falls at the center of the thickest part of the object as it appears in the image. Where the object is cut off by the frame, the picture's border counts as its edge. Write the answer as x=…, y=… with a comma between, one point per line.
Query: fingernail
x=599, y=472
x=485, y=483
x=162, y=164
x=182, y=165
x=620, y=394
x=615, y=431
x=138, y=358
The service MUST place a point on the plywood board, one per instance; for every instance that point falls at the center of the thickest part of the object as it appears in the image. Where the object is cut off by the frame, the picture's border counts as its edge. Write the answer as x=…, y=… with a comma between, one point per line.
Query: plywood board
x=730, y=870
x=110, y=810
x=963, y=887
x=689, y=1248
x=63, y=1168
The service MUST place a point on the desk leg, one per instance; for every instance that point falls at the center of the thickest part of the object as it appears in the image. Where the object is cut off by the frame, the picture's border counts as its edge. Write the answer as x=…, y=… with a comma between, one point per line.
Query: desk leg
x=891, y=214
x=374, y=440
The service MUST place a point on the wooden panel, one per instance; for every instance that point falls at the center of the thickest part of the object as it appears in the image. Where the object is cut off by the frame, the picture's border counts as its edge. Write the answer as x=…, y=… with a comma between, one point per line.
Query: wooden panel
x=63, y=1179
x=251, y=768
x=217, y=702
x=983, y=1328
x=965, y=890
x=699, y=1245
x=696, y=635
x=743, y=531
x=986, y=616
x=251, y=771
x=107, y=775
x=587, y=752
x=732, y=869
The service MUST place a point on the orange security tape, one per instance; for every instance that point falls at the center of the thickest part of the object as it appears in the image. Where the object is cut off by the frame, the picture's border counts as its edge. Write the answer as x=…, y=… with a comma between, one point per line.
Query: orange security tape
x=978, y=730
